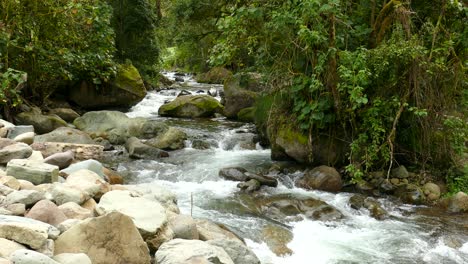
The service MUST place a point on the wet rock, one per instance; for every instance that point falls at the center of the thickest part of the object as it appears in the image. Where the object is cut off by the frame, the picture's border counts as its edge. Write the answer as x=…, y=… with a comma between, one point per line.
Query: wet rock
x=233, y=174
x=208, y=230
x=458, y=203
x=200, y=144
x=184, y=92
x=238, y=252
x=262, y=179
x=7, y=247
x=411, y=194
x=65, y=135
x=66, y=114
x=104, y=242
x=239, y=140
x=179, y=251
x=24, y=256
x=376, y=211
x=42, y=123
x=179, y=79
x=172, y=139
x=277, y=238
x=432, y=191
x=241, y=92
x=386, y=186
x=26, y=197
x=47, y=212
x=321, y=178
x=61, y=160
x=70, y=258
x=249, y=186
x=246, y=115
x=184, y=227
x=400, y=173
x=191, y=106
x=138, y=150
x=14, y=151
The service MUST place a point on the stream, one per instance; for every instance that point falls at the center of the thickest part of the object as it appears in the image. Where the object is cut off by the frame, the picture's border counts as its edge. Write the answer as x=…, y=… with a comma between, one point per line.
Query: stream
x=411, y=234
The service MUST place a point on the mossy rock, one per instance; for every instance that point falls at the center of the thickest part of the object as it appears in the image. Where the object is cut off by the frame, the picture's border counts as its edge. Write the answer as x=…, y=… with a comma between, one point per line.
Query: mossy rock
x=172, y=139
x=126, y=90
x=216, y=75
x=42, y=123
x=191, y=106
x=241, y=91
x=246, y=115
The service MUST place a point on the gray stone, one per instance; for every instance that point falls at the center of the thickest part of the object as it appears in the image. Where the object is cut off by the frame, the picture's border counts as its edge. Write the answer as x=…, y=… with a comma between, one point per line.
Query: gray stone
x=42, y=123
x=103, y=240
x=458, y=203
x=81, y=151
x=208, y=230
x=321, y=178
x=48, y=248
x=432, y=191
x=11, y=182
x=92, y=165
x=15, y=151
x=138, y=150
x=172, y=139
x=233, y=174
x=184, y=227
x=65, y=135
x=7, y=247
x=26, y=197
x=15, y=131
x=24, y=256
x=61, y=160
x=72, y=258
x=66, y=114
x=400, y=172
x=62, y=194
x=67, y=224
x=239, y=253
x=17, y=209
x=180, y=251
x=33, y=171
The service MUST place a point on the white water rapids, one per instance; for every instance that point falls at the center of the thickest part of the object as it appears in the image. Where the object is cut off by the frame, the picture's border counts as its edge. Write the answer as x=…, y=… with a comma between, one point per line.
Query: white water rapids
x=405, y=237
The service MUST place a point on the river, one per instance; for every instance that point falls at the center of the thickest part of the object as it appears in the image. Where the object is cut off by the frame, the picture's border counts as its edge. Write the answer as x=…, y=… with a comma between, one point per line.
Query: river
x=412, y=234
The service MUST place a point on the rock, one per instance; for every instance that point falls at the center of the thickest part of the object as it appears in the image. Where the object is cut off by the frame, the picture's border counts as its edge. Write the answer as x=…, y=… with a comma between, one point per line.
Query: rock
x=90, y=205
x=410, y=194
x=200, y=144
x=154, y=242
x=26, y=231
x=7, y=247
x=238, y=252
x=249, y=186
x=36, y=156
x=357, y=201
x=26, y=197
x=172, y=139
x=126, y=90
x=240, y=92
x=375, y=209
x=432, y=191
x=191, y=106
x=47, y=212
x=91, y=165
x=117, y=127
x=17, y=209
x=71, y=258
x=184, y=92
x=239, y=140
x=66, y=114
x=73, y=210
x=42, y=123
x=26, y=138
x=246, y=115
x=321, y=178
x=24, y=256
x=277, y=238
x=81, y=151
x=48, y=248
x=6, y=124
x=214, y=75
x=458, y=203
x=26, y=185
x=184, y=227
x=154, y=192
x=88, y=182
x=62, y=194
x=67, y=224
x=112, y=176
x=14, y=151
x=208, y=230
x=65, y=135
x=395, y=181
x=180, y=251
x=104, y=242
x=4, y=211
x=179, y=79
x=4, y=142
x=16, y=131
x=138, y=150
x=400, y=173
x=5, y=190
x=10, y=182
x=61, y=160
x=262, y=179
x=34, y=171
x=233, y=174
x=149, y=216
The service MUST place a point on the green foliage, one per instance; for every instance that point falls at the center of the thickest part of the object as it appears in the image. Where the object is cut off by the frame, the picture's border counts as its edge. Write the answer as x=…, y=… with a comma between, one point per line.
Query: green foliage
x=457, y=180
x=10, y=83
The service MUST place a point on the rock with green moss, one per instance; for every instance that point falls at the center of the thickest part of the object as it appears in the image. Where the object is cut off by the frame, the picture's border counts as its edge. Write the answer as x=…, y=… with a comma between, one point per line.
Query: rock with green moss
x=246, y=115
x=191, y=106
x=215, y=75
x=241, y=91
x=125, y=90
x=42, y=123
x=172, y=139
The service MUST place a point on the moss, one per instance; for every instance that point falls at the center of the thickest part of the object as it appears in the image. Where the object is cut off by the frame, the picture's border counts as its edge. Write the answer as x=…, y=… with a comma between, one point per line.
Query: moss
x=290, y=134
x=129, y=79
x=191, y=106
x=215, y=75
x=246, y=114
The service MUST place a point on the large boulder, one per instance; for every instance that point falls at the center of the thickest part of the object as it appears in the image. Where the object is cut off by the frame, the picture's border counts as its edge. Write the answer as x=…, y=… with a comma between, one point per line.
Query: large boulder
x=208, y=230
x=34, y=171
x=191, y=106
x=239, y=253
x=180, y=251
x=65, y=135
x=154, y=192
x=72, y=258
x=184, y=227
x=172, y=139
x=109, y=239
x=233, y=174
x=26, y=197
x=47, y=212
x=458, y=203
x=25, y=256
x=277, y=239
x=214, y=75
x=125, y=90
x=117, y=127
x=138, y=150
x=14, y=151
x=241, y=92
x=66, y=114
x=89, y=182
x=42, y=123
x=321, y=178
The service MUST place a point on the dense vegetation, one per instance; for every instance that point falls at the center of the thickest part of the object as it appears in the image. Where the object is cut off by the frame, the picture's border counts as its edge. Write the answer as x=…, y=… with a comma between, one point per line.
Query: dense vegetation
x=388, y=78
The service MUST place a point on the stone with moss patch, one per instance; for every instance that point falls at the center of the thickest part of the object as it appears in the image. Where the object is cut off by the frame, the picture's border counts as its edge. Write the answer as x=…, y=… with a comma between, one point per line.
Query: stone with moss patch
x=246, y=114
x=191, y=107
x=241, y=91
x=172, y=139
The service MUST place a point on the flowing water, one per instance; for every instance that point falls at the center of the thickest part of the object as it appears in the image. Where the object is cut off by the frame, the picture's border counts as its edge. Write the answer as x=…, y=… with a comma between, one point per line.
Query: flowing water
x=411, y=234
